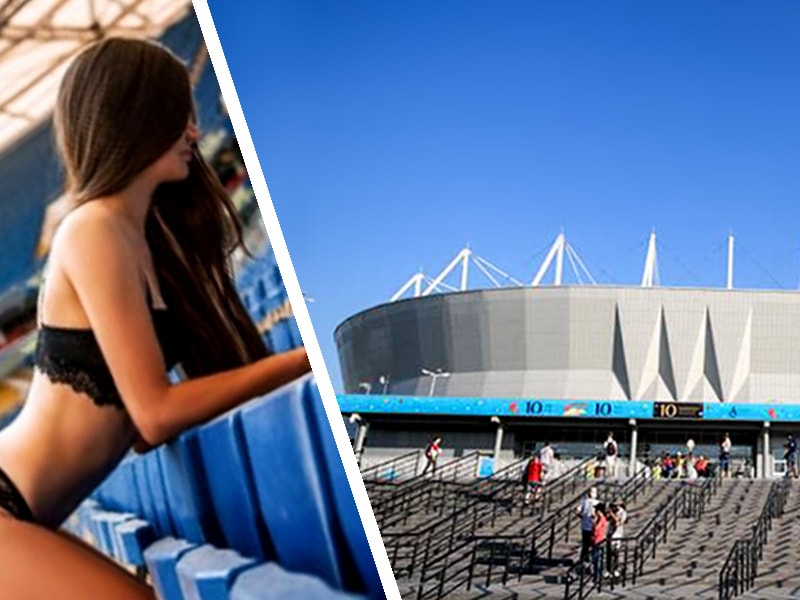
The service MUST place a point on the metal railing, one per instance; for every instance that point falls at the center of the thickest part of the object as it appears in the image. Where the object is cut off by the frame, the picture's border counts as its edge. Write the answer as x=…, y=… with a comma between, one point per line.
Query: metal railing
x=741, y=566
x=395, y=506
x=456, y=500
x=688, y=501
x=624, y=558
x=449, y=565
x=400, y=468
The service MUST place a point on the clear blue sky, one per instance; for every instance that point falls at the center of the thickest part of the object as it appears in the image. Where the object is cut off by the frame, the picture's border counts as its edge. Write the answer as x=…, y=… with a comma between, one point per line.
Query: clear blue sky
x=391, y=134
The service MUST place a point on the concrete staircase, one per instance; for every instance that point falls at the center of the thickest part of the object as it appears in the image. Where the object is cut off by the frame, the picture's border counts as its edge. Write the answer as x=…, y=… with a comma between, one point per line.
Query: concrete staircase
x=547, y=580
x=778, y=574
x=688, y=565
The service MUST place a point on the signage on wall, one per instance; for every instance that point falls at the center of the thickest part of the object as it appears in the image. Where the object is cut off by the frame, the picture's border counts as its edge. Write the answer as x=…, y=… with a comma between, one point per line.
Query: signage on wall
x=677, y=410
x=580, y=409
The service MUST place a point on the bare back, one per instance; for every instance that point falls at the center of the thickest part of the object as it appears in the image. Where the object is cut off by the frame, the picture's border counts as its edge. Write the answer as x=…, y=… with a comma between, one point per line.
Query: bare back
x=63, y=444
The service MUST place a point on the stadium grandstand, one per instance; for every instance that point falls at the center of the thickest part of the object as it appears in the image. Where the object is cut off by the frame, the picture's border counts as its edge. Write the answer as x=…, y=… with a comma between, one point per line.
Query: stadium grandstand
x=254, y=504
x=503, y=369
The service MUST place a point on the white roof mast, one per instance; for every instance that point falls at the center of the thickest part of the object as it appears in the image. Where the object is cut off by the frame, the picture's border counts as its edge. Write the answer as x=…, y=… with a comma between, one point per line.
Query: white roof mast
x=730, y=260
x=650, y=275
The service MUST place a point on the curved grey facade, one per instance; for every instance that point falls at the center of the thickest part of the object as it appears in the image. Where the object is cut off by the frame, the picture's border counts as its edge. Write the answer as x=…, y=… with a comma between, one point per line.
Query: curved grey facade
x=581, y=343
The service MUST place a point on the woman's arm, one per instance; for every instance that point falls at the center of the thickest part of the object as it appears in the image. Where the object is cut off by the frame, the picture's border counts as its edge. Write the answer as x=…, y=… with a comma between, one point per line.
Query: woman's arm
x=198, y=400
x=103, y=269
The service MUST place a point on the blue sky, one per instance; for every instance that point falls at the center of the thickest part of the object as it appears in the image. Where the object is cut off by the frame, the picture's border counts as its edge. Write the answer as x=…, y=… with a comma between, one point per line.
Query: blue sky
x=393, y=134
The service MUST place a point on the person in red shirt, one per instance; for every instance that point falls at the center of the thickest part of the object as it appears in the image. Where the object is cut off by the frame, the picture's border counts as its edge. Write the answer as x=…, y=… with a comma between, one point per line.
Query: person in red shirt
x=701, y=466
x=598, y=540
x=533, y=479
x=432, y=453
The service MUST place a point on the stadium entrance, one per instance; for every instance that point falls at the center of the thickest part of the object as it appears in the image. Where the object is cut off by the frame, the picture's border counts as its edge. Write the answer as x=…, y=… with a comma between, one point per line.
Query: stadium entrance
x=514, y=434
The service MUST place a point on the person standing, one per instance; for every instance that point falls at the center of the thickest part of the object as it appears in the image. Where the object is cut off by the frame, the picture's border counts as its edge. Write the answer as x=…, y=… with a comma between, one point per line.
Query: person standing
x=432, y=453
x=586, y=514
x=533, y=479
x=725, y=456
x=598, y=539
x=791, y=456
x=610, y=448
x=617, y=516
x=547, y=457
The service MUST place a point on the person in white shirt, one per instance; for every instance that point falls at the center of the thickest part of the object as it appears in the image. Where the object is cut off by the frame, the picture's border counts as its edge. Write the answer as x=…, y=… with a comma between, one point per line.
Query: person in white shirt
x=610, y=448
x=618, y=516
x=725, y=456
x=586, y=514
x=547, y=456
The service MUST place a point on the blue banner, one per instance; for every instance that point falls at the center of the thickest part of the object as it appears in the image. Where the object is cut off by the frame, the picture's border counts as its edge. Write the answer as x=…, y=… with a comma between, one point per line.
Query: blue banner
x=585, y=409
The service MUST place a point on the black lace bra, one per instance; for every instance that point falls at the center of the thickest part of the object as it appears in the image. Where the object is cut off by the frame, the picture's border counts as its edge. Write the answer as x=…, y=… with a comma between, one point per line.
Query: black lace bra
x=72, y=356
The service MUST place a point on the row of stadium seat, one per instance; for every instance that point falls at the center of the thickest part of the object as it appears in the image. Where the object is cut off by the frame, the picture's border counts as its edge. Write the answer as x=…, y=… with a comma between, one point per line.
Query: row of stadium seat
x=263, y=484
x=264, y=295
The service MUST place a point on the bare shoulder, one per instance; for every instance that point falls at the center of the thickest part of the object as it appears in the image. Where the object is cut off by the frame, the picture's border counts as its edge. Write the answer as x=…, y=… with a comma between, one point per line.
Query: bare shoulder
x=90, y=233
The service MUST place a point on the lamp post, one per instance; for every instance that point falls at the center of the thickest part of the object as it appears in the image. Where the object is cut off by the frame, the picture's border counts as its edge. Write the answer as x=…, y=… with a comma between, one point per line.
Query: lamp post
x=434, y=376
x=498, y=439
x=384, y=381
x=361, y=436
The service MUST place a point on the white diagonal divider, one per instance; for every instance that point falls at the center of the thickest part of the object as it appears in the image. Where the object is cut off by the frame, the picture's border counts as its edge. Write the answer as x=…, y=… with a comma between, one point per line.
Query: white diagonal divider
x=299, y=307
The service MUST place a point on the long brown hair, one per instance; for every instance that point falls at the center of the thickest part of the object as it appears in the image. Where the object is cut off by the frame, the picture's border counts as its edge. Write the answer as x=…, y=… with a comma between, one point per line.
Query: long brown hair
x=122, y=104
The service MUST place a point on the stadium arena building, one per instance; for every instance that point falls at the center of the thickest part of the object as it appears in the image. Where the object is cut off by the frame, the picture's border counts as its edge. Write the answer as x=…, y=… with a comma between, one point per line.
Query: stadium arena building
x=504, y=370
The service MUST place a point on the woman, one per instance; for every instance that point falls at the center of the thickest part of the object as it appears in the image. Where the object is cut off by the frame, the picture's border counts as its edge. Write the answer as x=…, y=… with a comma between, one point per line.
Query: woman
x=137, y=282
x=432, y=452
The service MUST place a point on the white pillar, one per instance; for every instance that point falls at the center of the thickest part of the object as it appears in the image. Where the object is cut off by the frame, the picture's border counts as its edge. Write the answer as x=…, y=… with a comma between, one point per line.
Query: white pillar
x=361, y=438
x=498, y=443
x=634, y=443
x=766, y=453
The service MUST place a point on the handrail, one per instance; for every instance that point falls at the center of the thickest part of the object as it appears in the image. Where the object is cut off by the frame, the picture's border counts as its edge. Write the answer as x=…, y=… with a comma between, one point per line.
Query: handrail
x=741, y=566
x=449, y=470
x=449, y=563
x=396, y=507
x=521, y=549
x=555, y=491
x=401, y=545
x=630, y=553
x=368, y=475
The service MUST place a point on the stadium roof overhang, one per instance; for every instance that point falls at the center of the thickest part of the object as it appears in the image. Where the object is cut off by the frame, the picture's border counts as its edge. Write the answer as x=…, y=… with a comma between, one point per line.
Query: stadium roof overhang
x=39, y=37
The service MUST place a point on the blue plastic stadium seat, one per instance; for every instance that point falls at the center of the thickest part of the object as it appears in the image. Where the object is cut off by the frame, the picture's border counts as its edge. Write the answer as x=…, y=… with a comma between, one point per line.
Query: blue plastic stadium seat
x=142, y=491
x=207, y=573
x=294, y=333
x=133, y=537
x=186, y=490
x=162, y=560
x=161, y=521
x=279, y=338
x=118, y=491
x=363, y=574
x=104, y=523
x=84, y=512
x=232, y=494
x=291, y=494
x=273, y=582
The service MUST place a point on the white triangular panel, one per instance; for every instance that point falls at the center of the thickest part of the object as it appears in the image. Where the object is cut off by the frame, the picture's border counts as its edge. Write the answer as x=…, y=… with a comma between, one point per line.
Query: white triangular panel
x=652, y=390
x=650, y=369
x=692, y=389
x=742, y=370
x=697, y=393
x=709, y=394
x=615, y=390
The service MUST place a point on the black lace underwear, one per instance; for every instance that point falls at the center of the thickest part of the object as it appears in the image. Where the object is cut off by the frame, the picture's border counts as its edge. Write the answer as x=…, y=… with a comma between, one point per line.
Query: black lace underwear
x=12, y=501
x=73, y=357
